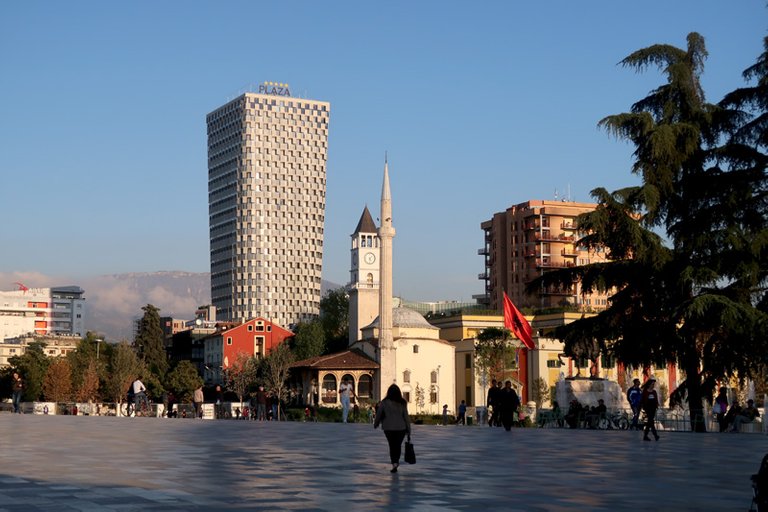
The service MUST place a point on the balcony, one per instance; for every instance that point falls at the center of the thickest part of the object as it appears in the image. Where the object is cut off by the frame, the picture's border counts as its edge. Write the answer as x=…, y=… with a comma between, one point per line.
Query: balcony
x=483, y=252
x=554, y=264
x=570, y=225
x=483, y=276
x=558, y=291
x=568, y=252
x=546, y=237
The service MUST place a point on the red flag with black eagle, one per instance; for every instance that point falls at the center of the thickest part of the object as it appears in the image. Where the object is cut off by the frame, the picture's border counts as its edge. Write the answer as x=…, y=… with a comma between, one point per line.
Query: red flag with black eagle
x=516, y=322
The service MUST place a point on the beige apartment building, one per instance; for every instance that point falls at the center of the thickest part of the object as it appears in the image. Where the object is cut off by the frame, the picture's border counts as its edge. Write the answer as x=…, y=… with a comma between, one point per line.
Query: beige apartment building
x=528, y=240
x=267, y=155
x=55, y=346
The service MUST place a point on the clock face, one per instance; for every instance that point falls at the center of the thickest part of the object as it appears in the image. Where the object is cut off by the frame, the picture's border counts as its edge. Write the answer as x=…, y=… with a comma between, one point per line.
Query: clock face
x=370, y=258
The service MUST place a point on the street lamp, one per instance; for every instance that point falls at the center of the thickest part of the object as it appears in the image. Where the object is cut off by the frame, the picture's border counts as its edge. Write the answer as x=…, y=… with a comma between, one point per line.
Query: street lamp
x=98, y=344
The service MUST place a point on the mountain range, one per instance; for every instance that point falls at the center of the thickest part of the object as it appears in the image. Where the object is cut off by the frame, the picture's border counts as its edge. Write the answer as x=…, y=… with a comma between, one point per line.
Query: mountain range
x=114, y=302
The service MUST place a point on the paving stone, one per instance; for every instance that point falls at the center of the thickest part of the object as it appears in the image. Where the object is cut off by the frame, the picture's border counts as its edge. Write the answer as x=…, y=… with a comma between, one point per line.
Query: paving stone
x=66, y=463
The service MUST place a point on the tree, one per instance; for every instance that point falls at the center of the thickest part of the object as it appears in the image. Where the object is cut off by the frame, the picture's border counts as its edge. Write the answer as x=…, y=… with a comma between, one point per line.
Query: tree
x=241, y=374
x=494, y=353
x=275, y=369
x=420, y=397
x=690, y=298
x=81, y=361
x=540, y=392
x=57, y=384
x=149, y=342
x=88, y=387
x=309, y=340
x=184, y=380
x=32, y=366
x=124, y=368
x=334, y=316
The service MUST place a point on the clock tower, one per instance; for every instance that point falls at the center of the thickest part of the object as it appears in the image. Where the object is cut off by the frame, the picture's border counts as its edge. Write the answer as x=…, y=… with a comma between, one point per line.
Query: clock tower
x=364, y=276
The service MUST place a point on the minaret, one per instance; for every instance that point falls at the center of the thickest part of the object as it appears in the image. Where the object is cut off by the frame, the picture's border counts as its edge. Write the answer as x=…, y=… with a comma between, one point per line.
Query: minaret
x=387, y=362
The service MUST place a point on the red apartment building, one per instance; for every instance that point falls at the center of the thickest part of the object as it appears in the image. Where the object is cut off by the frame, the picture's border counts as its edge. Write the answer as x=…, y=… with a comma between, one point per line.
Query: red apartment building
x=256, y=337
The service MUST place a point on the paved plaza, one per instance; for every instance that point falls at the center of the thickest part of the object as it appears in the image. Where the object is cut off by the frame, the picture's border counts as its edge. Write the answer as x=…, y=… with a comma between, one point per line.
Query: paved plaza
x=67, y=463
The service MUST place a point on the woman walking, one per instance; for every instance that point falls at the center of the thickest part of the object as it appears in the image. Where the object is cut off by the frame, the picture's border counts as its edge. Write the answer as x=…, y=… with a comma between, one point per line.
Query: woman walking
x=392, y=415
x=649, y=403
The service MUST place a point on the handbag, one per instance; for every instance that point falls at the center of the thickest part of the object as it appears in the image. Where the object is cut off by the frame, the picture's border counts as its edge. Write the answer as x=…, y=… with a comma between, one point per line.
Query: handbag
x=410, y=454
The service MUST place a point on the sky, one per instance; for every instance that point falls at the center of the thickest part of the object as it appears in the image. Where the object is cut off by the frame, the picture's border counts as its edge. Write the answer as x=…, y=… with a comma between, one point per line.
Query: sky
x=479, y=106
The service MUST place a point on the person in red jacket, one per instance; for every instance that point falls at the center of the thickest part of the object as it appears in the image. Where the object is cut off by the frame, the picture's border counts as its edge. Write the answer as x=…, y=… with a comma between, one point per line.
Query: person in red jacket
x=649, y=403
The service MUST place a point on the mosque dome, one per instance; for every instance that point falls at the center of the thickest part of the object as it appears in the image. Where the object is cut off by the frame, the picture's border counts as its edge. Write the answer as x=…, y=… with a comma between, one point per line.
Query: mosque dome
x=405, y=318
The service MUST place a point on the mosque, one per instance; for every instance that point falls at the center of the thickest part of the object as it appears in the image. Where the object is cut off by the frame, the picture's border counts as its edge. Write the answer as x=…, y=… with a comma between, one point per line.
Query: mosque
x=387, y=345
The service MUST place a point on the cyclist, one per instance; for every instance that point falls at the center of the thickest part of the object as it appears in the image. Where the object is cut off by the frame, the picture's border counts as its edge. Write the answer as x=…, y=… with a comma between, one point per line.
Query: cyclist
x=139, y=395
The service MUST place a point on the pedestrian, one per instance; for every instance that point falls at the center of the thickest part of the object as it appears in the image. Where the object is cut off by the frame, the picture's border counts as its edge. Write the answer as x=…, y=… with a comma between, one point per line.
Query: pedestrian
x=634, y=395
x=261, y=404
x=508, y=404
x=445, y=414
x=171, y=404
x=197, y=401
x=17, y=386
x=649, y=403
x=721, y=407
x=392, y=415
x=219, y=402
x=492, y=401
x=273, y=402
x=346, y=390
x=462, y=419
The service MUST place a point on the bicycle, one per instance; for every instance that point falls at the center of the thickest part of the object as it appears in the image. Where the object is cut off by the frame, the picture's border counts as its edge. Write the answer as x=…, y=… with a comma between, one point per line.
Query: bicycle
x=145, y=409
x=618, y=420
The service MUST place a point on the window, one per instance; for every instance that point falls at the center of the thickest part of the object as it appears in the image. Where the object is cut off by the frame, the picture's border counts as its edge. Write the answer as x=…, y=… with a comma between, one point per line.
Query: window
x=364, y=386
x=329, y=389
x=467, y=360
x=554, y=363
x=415, y=349
x=433, y=377
x=250, y=328
x=607, y=361
x=229, y=340
x=407, y=396
x=407, y=376
x=582, y=362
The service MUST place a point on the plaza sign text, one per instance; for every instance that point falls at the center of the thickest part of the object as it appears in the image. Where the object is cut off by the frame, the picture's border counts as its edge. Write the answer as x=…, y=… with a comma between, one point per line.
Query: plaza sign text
x=274, y=88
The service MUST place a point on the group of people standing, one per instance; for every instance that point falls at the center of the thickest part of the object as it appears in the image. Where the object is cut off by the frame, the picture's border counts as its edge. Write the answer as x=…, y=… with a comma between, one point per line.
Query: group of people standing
x=504, y=404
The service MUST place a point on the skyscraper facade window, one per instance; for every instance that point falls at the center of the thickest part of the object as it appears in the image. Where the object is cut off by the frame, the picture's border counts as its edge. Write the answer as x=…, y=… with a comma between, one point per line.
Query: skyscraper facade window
x=267, y=155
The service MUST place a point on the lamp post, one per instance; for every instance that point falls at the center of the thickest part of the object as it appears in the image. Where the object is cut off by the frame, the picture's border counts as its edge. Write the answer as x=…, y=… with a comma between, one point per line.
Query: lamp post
x=98, y=344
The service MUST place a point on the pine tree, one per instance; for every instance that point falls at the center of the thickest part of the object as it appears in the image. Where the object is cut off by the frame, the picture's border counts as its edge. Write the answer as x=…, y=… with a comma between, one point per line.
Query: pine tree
x=688, y=298
x=149, y=343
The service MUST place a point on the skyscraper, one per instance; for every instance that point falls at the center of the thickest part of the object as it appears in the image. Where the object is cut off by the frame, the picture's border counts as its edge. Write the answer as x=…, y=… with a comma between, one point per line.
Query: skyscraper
x=267, y=154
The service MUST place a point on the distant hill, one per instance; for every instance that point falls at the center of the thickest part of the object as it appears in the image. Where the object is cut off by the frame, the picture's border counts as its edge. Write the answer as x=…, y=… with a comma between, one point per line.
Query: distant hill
x=115, y=301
